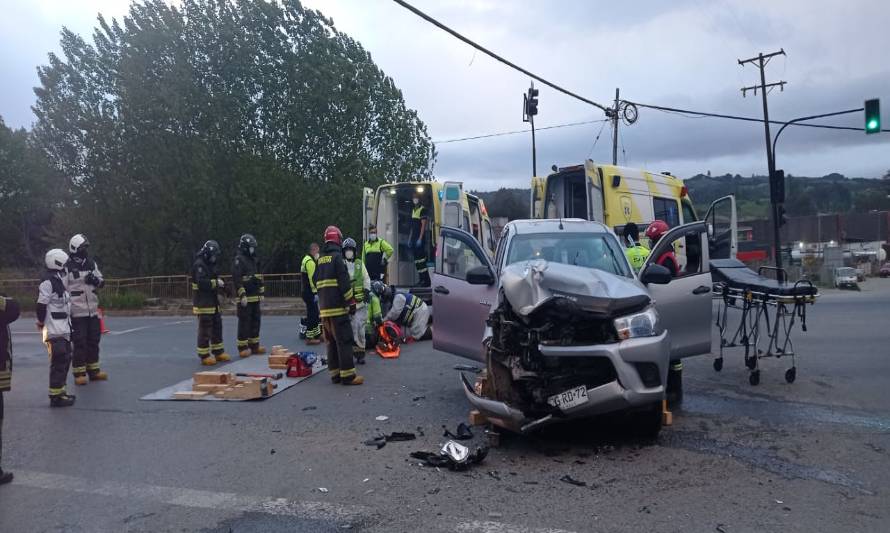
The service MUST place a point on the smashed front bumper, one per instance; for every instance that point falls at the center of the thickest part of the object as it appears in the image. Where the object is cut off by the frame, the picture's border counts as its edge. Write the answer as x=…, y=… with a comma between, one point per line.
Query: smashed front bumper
x=627, y=391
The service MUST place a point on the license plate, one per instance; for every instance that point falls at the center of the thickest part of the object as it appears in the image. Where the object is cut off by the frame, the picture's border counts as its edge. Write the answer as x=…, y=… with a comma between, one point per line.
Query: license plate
x=570, y=398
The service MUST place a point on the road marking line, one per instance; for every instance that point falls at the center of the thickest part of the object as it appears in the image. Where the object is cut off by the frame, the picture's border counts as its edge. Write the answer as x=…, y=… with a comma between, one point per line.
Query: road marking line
x=498, y=527
x=152, y=326
x=203, y=499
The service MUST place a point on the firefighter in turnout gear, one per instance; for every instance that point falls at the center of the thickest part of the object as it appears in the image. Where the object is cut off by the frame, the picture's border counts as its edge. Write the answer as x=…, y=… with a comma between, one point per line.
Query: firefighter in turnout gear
x=409, y=312
x=310, y=327
x=54, y=321
x=335, y=305
x=249, y=287
x=361, y=285
x=84, y=279
x=376, y=253
x=9, y=313
x=206, y=284
x=417, y=240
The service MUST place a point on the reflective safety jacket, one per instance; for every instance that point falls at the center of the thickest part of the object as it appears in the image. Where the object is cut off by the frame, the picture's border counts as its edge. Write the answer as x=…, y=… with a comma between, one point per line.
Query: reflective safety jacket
x=637, y=256
x=307, y=273
x=375, y=313
x=361, y=282
x=9, y=313
x=404, y=304
x=247, y=281
x=54, y=306
x=83, y=280
x=418, y=213
x=375, y=254
x=332, y=283
x=205, y=299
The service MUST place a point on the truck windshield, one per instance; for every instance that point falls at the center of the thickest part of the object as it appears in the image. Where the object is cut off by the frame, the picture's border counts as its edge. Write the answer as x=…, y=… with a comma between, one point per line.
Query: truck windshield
x=592, y=250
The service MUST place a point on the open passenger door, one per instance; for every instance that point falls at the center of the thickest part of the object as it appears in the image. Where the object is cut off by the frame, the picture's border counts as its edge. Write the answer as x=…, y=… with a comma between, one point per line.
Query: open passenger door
x=367, y=212
x=684, y=302
x=464, y=289
x=723, y=226
x=452, y=205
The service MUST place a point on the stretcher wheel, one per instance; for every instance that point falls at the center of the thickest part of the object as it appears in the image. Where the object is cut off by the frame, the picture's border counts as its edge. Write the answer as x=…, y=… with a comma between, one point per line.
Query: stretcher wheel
x=718, y=364
x=754, y=378
x=751, y=362
x=791, y=374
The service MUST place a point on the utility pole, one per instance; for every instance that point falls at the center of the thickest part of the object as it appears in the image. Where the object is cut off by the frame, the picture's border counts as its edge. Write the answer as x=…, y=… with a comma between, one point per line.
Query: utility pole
x=615, y=130
x=761, y=61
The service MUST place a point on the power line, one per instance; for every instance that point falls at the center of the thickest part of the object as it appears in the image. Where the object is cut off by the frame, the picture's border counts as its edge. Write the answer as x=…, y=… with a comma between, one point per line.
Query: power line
x=493, y=55
x=501, y=134
x=704, y=114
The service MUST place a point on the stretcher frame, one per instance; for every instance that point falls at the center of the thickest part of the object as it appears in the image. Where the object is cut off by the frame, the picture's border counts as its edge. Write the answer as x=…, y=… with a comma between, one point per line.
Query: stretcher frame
x=765, y=317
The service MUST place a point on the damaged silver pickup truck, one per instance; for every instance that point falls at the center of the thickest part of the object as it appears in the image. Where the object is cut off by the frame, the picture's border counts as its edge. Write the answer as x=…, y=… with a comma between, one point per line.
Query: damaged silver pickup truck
x=564, y=326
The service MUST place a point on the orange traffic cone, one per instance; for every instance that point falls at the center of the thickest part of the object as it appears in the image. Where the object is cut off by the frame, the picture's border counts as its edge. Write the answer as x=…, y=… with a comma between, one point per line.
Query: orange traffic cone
x=102, y=327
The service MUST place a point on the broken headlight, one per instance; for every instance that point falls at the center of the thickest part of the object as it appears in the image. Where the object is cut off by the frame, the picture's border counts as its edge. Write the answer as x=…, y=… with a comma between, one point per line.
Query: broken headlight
x=637, y=325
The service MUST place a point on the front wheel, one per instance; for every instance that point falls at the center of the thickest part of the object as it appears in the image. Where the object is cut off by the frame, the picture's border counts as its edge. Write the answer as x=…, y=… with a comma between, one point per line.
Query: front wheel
x=647, y=422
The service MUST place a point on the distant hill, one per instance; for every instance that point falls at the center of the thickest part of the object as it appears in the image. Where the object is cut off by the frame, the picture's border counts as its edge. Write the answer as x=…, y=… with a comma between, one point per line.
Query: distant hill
x=833, y=193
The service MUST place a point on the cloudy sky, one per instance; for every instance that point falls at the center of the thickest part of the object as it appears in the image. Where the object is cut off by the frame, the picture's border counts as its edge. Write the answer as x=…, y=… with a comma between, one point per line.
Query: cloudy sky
x=681, y=53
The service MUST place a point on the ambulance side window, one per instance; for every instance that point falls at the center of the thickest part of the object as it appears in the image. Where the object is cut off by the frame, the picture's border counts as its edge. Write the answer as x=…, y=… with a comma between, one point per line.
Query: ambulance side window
x=688, y=212
x=666, y=210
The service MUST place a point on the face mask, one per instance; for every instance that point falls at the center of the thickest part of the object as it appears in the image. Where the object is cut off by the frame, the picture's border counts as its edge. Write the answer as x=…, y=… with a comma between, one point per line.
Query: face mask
x=416, y=201
x=372, y=236
x=349, y=254
x=315, y=255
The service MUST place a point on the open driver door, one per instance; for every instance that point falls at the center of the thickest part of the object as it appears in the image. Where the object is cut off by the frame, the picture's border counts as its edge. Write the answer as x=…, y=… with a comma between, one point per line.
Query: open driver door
x=723, y=228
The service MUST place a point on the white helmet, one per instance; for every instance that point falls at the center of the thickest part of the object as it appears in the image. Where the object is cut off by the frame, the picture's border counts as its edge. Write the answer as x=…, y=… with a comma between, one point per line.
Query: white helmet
x=55, y=259
x=76, y=242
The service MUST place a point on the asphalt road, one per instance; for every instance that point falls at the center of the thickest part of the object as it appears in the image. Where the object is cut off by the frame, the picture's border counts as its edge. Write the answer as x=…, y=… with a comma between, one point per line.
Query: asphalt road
x=810, y=456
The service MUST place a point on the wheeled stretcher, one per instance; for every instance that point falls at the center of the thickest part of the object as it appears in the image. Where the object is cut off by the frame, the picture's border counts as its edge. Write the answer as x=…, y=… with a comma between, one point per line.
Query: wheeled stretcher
x=768, y=310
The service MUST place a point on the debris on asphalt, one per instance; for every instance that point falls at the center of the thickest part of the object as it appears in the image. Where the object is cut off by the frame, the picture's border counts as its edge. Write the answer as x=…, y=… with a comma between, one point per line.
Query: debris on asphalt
x=382, y=418
x=366, y=480
x=453, y=455
x=495, y=515
x=572, y=481
x=272, y=452
x=322, y=489
x=309, y=408
x=418, y=398
x=720, y=528
x=494, y=474
x=396, y=436
x=463, y=432
x=468, y=368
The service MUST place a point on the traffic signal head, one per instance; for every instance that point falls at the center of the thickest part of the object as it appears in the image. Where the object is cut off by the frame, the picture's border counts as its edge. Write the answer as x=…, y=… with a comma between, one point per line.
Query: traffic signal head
x=777, y=187
x=532, y=102
x=872, y=115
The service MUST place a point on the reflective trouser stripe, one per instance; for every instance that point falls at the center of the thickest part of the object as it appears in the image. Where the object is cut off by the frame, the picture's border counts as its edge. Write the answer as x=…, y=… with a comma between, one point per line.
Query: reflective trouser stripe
x=241, y=343
x=92, y=366
x=336, y=311
x=347, y=373
x=677, y=366
x=253, y=340
x=242, y=291
x=203, y=310
x=78, y=370
x=218, y=346
x=420, y=265
x=314, y=332
x=334, y=372
x=203, y=352
x=325, y=283
x=56, y=391
x=253, y=299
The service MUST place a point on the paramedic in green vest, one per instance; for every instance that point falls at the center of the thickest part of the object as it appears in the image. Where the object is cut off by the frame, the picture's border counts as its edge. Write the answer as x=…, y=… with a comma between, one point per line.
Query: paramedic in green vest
x=375, y=313
x=310, y=327
x=376, y=253
x=361, y=286
x=636, y=252
x=417, y=239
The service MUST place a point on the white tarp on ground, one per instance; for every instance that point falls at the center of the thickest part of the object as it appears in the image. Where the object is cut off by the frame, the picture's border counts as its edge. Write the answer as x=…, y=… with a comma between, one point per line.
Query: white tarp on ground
x=256, y=364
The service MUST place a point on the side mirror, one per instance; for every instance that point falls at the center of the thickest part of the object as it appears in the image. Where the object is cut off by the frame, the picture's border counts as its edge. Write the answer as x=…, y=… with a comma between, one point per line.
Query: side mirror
x=481, y=275
x=656, y=274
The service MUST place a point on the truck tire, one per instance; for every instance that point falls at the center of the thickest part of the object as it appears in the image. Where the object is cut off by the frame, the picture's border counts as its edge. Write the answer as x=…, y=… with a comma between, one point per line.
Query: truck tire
x=647, y=422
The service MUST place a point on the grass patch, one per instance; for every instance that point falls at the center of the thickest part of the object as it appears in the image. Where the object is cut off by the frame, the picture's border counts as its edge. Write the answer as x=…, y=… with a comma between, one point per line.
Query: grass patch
x=123, y=300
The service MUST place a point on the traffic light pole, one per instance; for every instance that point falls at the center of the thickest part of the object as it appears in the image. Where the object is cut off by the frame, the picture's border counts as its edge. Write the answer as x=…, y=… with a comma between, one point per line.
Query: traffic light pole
x=761, y=60
x=531, y=120
x=615, y=130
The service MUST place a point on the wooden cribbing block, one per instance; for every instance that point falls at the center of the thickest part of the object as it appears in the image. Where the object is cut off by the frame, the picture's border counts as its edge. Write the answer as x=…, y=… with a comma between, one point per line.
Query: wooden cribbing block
x=213, y=378
x=278, y=367
x=245, y=390
x=477, y=418
x=189, y=395
x=209, y=387
x=278, y=359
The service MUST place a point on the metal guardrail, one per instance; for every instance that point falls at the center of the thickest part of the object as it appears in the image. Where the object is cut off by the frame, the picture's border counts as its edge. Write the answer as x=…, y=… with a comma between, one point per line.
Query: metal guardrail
x=177, y=287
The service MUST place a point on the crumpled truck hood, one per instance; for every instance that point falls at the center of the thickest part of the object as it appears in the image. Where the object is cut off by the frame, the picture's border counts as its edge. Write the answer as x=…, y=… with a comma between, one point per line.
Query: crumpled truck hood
x=531, y=284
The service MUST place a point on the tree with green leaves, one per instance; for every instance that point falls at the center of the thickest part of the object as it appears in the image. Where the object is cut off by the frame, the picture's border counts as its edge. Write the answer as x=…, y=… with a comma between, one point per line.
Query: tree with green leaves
x=218, y=117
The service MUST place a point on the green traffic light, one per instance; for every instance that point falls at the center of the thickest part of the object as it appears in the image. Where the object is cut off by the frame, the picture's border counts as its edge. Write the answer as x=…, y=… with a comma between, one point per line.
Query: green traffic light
x=872, y=124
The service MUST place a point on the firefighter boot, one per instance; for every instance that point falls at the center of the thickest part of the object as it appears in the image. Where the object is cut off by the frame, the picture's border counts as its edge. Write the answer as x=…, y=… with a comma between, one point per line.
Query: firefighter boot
x=80, y=380
x=258, y=350
x=98, y=375
x=208, y=361
x=62, y=400
x=223, y=357
x=244, y=352
x=357, y=380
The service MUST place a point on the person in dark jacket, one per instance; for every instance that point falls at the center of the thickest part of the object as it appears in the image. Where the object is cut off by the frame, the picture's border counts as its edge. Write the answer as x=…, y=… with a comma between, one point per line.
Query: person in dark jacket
x=336, y=303
x=249, y=287
x=206, y=284
x=9, y=313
